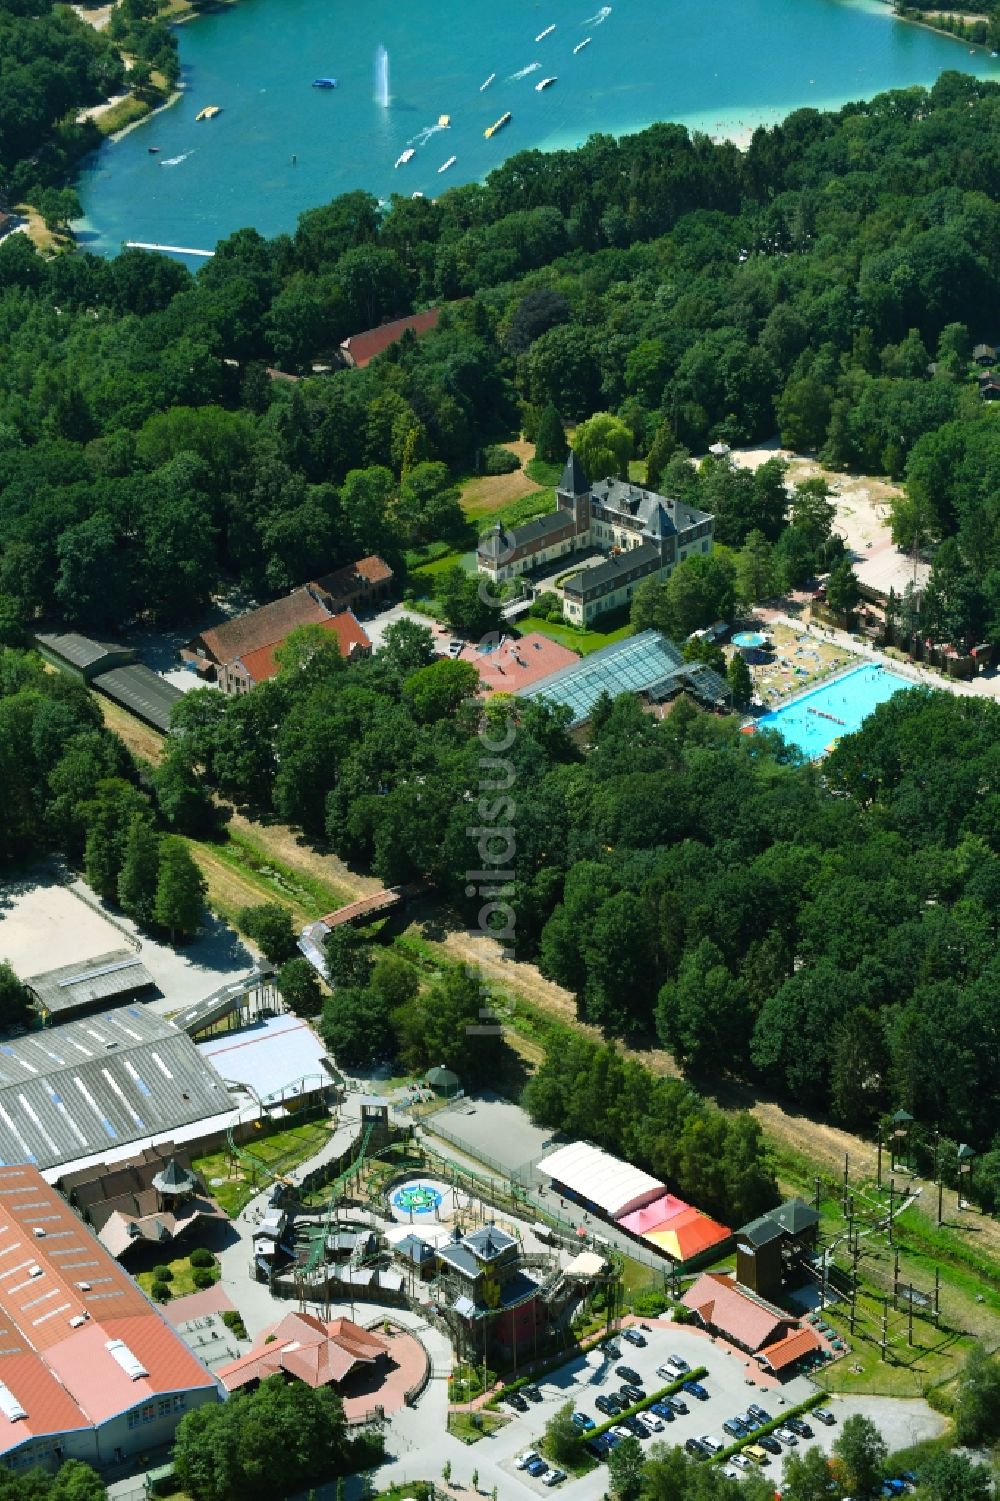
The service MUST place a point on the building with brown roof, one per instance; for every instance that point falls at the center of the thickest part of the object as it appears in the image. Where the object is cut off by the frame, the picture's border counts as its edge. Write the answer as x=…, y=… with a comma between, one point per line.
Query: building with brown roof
x=360, y=349
x=240, y=652
x=88, y=1367
x=152, y=1199
x=304, y=1348
x=727, y=1310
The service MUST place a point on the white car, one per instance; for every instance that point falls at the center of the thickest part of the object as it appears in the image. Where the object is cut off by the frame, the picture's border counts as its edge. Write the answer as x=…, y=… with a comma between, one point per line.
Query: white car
x=711, y=1444
x=524, y=1460
x=553, y=1477
x=740, y=1460
x=621, y=1432
x=651, y=1421
x=786, y=1435
x=732, y=1474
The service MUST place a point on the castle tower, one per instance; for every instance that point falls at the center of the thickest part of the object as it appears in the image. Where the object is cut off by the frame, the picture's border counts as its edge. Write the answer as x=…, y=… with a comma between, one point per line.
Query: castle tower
x=573, y=494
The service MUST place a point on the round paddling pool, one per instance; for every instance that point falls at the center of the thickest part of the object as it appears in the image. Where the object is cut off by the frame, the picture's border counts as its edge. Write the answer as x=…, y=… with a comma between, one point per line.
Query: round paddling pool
x=749, y=640
x=420, y=1196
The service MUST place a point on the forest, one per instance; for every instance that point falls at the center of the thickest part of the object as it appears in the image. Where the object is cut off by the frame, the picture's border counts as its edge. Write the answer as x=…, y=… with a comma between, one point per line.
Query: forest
x=830, y=282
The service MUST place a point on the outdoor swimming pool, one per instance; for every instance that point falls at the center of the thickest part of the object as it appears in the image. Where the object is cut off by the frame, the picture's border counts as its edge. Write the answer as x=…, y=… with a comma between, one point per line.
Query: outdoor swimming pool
x=819, y=718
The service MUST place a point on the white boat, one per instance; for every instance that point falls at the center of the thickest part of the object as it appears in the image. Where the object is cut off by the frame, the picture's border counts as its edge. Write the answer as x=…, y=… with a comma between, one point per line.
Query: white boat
x=545, y=84
x=580, y=45
x=405, y=156
x=449, y=163
x=486, y=85
x=547, y=32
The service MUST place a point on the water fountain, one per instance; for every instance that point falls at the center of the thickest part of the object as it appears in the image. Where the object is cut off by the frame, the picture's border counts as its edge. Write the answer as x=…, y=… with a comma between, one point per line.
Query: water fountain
x=382, y=77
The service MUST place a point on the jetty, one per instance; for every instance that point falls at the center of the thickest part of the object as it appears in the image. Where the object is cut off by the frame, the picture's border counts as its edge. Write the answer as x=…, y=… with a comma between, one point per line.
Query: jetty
x=167, y=249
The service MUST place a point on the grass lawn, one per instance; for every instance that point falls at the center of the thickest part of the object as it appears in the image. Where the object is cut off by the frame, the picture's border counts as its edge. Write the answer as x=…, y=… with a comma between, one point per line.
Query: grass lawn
x=443, y=564
x=470, y=1427
x=241, y=873
x=280, y=1152
x=183, y=1271
x=576, y=639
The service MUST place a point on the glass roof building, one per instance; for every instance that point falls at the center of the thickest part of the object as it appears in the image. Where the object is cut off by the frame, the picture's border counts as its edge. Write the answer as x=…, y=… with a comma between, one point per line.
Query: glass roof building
x=647, y=664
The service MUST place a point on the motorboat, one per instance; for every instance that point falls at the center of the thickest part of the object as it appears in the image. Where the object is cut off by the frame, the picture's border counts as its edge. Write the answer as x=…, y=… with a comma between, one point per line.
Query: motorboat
x=324, y=83
x=491, y=130
x=547, y=32
x=444, y=121
x=405, y=156
x=546, y=83
x=152, y=150
x=209, y=112
x=449, y=163
x=580, y=45
x=486, y=85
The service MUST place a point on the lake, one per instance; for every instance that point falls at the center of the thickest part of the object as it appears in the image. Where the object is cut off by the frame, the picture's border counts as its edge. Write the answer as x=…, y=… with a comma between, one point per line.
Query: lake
x=280, y=146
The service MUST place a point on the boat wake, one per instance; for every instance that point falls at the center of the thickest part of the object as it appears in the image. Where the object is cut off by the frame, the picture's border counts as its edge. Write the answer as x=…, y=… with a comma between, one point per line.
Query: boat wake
x=423, y=136
x=175, y=161
x=599, y=19
x=531, y=68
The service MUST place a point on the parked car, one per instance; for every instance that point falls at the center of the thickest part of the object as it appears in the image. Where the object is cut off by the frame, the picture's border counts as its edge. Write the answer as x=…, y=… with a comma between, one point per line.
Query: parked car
x=662, y=1410
x=635, y=1393
x=740, y=1461
x=622, y=1431
x=583, y=1422
x=554, y=1477
x=822, y=1415
x=696, y=1447
x=651, y=1420
x=634, y=1337
x=532, y=1391
x=613, y=1348
x=766, y=1441
x=787, y=1436
x=711, y=1444
x=673, y=1367
x=697, y=1390
x=735, y=1427
x=598, y=1447
x=536, y=1468
x=757, y=1454
x=731, y=1473
x=627, y=1373
x=515, y=1400
x=678, y=1404
x=799, y=1427
x=608, y=1405
x=524, y=1460
x=759, y=1412
x=636, y=1427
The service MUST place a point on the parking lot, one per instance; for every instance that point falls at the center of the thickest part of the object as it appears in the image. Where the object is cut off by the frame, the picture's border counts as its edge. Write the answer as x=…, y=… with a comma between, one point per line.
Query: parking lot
x=731, y=1389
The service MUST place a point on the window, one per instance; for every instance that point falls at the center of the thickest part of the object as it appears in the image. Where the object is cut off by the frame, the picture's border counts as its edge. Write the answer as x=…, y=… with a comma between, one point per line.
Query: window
x=134, y=1419
x=179, y=1402
x=148, y=1413
x=163, y=1406
x=705, y=545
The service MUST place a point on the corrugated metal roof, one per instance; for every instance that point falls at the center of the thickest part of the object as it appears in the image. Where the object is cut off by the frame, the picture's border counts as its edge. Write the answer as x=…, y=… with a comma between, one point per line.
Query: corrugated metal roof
x=141, y=691
x=79, y=1088
x=120, y=972
x=80, y=651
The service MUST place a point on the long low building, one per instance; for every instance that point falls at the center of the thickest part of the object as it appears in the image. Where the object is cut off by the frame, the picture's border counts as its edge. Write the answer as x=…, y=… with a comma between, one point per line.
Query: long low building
x=89, y=1369
x=108, y=980
x=86, y=1086
x=584, y=1173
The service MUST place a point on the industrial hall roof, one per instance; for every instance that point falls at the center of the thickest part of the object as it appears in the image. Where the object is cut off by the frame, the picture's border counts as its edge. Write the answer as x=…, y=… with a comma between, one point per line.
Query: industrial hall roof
x=75, y=1090
x=73, y=986
x=81, y=1344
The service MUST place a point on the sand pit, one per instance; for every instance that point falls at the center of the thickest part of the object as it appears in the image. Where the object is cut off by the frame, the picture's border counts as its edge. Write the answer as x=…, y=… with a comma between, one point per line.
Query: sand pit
x=44, y=926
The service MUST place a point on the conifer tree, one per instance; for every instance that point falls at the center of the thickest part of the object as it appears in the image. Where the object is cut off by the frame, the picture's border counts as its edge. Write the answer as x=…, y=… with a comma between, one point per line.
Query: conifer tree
x=139, y=875
x=180, y=890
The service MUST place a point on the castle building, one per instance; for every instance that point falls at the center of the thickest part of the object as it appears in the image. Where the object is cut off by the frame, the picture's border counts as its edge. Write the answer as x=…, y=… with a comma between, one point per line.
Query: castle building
x=642, y=533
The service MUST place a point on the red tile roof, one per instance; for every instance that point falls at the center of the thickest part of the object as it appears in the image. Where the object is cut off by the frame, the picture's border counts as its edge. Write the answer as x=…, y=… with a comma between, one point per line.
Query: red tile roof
x=517, y=662
x=53, y=1273
x=361, y=349
x=351, y=639
x=800, y=1342
x=719, y=1302
x=304, y=1347
x=348, y=584
x=257, y=628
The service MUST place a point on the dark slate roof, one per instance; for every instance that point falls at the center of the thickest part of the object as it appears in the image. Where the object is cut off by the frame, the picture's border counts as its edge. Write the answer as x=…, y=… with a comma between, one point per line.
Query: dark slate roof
x=412, y=1248
x=617, y=570
x=574, y=481
x=80, y=651
x=659, y=523
x=175, y=1177
x=498, y=540
x=760, y=1232
x=117, y=973
x=489, y=1242
x=460, y=1257
x=795, y=1216
x=142, y=692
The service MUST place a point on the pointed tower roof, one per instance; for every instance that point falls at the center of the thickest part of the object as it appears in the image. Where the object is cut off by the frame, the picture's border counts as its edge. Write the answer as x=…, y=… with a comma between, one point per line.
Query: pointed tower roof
x=659, y=523
x=574, y=481
x=173, y=1178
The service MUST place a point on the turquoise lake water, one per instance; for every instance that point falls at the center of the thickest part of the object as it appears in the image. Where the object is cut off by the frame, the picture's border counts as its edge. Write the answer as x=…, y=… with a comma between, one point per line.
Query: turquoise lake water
x=718, y=66
x=839, y=708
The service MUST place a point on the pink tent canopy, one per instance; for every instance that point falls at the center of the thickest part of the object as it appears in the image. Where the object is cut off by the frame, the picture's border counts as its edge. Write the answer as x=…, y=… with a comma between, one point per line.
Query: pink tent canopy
x=653, y=1216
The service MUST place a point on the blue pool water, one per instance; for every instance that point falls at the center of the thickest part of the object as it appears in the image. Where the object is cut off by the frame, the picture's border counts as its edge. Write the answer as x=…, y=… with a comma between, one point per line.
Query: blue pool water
x=834, y=709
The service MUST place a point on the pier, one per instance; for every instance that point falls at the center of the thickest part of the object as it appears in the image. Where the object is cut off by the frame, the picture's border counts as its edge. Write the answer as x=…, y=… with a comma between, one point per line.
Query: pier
x=167, y=249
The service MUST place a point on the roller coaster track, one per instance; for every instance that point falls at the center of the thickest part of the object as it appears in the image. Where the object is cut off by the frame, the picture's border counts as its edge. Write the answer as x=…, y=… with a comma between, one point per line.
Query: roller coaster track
x=247, y=1160
x=319, y=1241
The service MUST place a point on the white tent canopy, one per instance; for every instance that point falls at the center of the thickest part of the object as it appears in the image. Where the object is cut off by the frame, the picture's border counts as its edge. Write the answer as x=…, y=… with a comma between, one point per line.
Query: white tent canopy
x=613, y=1186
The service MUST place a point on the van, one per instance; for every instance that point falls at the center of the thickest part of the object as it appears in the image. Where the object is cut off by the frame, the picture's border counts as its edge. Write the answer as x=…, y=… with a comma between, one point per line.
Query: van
x=757, y=1454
